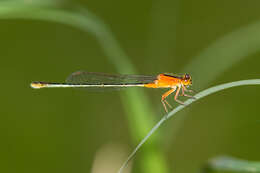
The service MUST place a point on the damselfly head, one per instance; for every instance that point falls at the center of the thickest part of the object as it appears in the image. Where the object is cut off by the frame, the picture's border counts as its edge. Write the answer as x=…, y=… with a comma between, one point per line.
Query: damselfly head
x=186, y=80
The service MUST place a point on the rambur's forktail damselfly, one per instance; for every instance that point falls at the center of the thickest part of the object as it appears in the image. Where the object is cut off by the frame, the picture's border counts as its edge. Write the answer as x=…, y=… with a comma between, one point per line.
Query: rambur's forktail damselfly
x=82, y=79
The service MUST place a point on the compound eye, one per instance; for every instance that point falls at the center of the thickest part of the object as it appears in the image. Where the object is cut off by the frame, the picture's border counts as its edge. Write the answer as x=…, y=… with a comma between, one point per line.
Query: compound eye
x=187, y=76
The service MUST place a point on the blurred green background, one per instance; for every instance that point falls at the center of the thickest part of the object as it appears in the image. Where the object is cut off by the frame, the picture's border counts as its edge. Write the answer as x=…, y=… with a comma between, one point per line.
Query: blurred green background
x=68, y=130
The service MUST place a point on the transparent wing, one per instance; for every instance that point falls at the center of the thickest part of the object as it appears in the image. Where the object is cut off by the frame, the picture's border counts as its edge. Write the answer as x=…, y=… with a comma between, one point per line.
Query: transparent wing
x=92, y=78
x=173, y=75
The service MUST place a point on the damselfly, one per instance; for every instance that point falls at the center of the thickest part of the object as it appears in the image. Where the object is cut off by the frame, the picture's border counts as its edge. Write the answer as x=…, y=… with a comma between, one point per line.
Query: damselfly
x=82, y=79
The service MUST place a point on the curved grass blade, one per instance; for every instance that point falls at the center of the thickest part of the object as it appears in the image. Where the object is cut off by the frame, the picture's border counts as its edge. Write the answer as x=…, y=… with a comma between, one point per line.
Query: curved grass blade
x=230, y=49
x=225, y=163
x=88, y=22
x=135, y=102
x=198, y=96
x=221, y=55
x=42, y=3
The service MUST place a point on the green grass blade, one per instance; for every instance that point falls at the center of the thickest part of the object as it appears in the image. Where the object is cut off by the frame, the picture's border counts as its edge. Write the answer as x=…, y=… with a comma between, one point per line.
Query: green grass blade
x=198, y=96
x=135, y=102
x=45, y=3
x=231, y=49
x=231, y=164
x=220, y=56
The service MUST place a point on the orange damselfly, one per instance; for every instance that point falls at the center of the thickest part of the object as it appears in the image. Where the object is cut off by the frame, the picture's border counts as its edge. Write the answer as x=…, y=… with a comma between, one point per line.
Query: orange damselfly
x=82, y=79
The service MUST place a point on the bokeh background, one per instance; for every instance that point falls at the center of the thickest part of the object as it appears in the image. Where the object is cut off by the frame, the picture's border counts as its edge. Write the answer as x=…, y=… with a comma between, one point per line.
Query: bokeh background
x=68, y=130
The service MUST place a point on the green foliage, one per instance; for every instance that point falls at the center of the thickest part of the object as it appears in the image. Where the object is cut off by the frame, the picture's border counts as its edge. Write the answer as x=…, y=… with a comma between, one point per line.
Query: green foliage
x=216, y=59
x=231, y=164
x=135, y=102
x=198, y=96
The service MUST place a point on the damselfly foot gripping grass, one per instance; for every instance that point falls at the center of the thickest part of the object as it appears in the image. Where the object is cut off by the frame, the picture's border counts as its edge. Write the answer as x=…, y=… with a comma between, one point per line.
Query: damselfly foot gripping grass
x=82, y=79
